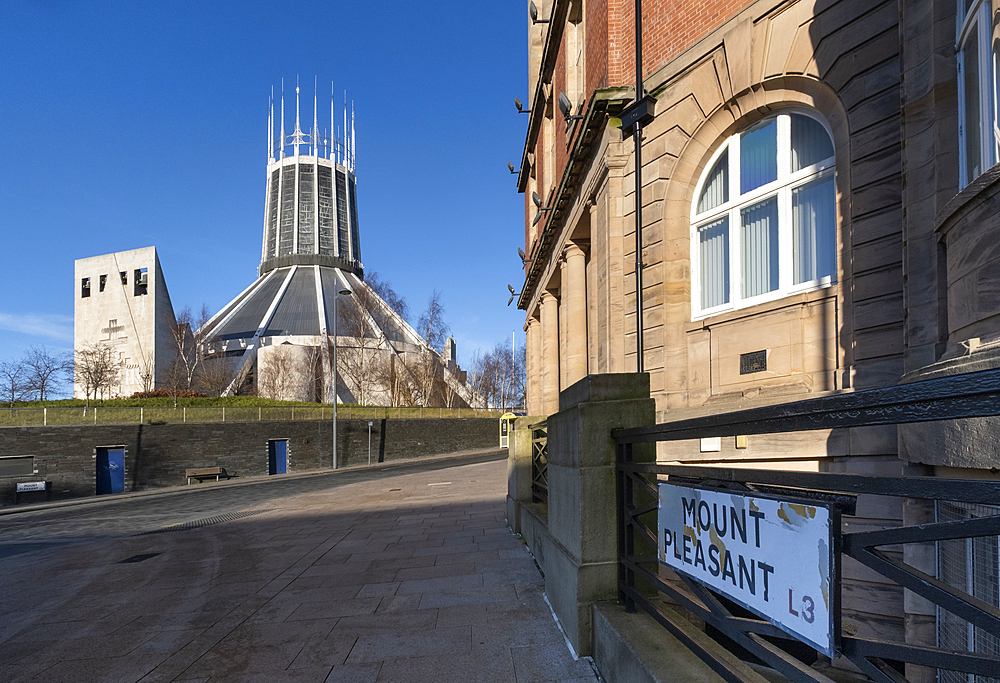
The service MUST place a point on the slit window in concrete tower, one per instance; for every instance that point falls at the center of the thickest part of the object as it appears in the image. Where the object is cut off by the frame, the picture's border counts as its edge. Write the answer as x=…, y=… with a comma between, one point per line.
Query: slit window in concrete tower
x=140, y=281
x=84, y=287
x=124, y=276
x=103, y=282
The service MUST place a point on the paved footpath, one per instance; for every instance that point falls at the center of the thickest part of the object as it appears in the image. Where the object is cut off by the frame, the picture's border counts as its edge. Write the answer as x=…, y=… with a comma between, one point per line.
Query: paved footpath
x=406, y=573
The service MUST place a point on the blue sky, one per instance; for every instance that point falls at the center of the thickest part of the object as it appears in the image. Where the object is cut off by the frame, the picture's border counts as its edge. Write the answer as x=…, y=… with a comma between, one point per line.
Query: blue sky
x=130, y=124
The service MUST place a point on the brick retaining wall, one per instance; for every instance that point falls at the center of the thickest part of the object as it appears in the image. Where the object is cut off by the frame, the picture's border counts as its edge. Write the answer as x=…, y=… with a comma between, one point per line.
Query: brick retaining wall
x=157, y=455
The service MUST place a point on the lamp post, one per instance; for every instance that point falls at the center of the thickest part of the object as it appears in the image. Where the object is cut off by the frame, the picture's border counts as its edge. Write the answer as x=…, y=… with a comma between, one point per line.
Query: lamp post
x=336, y=298
x=633, y=118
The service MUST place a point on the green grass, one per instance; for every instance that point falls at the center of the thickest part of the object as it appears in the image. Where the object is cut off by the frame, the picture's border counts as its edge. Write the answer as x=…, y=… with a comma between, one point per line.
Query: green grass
x=200, y=410
x=166, y=401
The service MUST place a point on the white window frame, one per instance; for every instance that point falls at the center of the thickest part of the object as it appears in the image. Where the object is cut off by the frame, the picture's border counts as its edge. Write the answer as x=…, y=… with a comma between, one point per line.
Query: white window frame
x=977, y=21
x=782, y=187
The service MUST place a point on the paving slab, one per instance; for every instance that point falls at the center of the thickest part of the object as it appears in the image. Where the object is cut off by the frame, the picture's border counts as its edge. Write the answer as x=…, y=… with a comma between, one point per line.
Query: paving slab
x=408, y=574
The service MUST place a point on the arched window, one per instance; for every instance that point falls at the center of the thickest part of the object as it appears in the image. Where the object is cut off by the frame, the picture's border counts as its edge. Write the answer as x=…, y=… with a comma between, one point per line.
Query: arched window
x=979, y=136
x=764, y=222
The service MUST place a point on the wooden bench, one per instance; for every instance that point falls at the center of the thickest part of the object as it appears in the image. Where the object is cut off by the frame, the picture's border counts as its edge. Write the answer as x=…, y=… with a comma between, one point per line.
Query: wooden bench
x=202, y=473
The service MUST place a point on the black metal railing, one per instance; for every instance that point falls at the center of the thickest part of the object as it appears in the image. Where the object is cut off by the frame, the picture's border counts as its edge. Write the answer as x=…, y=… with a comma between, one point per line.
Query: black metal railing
x=539, y=463
x=963, y=396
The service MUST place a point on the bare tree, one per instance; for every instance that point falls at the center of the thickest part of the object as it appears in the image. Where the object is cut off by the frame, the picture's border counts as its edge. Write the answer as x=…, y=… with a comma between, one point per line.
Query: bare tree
x=217, y=373
x=174, y=378
x=393, y=378
x=424, y=368
x=14, y=387
x=498, y=375
x=449, y=395
x=147, y=375
x=98, y=370
x=44, y=370
x=359, y=361
x=285, y=371
x=431, y=325
x=388, y=294
x=189, y=345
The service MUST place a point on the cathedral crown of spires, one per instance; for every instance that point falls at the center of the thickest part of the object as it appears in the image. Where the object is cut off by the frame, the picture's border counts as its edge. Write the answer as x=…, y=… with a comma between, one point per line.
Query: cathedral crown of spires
x=310, y=201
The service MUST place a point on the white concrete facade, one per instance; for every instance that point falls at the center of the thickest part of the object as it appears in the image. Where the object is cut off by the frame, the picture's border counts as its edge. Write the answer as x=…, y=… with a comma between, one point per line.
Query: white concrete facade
x=121, y=299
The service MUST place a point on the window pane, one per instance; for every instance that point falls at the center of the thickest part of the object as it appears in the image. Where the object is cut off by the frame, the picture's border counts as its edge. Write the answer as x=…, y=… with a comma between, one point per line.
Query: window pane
x=759, y=247
x=759, y=157
x=970, y=80
x=814, y=231
x=713, y=241
x=995, y=141
x=810, y=143
x=967, y=5
x=716, y=190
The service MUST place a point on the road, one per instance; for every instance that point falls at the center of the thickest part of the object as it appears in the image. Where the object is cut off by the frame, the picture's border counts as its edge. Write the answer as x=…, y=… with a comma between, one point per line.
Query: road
x=405, y=572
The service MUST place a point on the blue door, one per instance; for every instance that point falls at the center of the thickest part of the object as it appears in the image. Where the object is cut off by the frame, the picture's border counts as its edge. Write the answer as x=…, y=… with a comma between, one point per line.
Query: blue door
x=277, y=456
x=110, y=470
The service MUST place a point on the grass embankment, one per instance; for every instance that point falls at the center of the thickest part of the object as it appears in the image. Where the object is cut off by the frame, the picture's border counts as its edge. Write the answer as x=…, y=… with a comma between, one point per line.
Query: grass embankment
x=161, y=410
x=168, y=402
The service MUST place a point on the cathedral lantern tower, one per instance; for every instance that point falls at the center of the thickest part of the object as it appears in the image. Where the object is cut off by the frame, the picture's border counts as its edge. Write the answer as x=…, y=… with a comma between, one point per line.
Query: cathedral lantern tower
x=311, y=208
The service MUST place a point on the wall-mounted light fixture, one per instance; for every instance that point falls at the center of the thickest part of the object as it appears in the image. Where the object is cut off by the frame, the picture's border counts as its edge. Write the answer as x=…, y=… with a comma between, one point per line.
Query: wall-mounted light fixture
x=512, y=294
x=566, y=107
x=524, y=258
x=510, y=167
x=538, y=203
x=533, y=13
x=520, y=107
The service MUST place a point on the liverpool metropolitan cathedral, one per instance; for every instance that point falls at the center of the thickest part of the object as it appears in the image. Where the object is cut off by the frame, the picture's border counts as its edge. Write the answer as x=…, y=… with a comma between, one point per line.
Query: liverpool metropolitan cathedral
x=308, y=312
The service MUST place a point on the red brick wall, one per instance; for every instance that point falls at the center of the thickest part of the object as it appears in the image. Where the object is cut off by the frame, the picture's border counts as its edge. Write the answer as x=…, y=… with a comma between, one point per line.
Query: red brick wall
x=596, y=20
x=527, y=223
x=668, y=28
x=558, y=121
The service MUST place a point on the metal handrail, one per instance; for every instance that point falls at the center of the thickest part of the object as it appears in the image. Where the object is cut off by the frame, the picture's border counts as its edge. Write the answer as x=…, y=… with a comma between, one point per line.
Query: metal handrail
x=129, y=415
x=962, y=396
x=539, y=462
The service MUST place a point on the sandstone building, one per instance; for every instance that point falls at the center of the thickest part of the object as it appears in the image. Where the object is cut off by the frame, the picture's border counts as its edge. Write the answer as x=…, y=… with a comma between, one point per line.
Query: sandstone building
x=818, y=206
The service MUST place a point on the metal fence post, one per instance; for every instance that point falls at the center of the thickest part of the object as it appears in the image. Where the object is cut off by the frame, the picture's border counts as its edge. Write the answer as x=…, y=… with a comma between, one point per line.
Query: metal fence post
x=620, y=513
x=628, y=534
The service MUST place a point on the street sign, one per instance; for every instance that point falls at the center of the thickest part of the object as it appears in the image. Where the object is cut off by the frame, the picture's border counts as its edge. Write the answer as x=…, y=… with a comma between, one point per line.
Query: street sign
x=773, y=556
x=31, y=486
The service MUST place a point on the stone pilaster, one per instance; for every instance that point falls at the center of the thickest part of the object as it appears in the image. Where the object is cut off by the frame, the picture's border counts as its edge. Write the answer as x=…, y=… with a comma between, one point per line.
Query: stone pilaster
x=533, y=353
x=550, y=353
x=574, y=294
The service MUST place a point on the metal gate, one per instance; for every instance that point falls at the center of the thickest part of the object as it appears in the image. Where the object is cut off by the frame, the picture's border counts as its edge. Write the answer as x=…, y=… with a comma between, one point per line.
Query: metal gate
x=965, y=532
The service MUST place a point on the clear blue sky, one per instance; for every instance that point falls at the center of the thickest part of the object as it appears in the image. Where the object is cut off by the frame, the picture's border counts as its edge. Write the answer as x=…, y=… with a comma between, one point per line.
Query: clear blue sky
x=130, y=124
